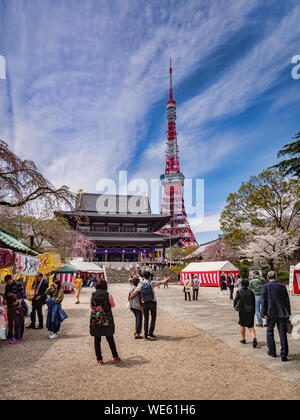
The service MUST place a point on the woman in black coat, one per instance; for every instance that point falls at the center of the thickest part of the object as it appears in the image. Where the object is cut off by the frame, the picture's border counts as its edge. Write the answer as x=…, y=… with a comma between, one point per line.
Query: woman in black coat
x=101, y=300
x=245, y=304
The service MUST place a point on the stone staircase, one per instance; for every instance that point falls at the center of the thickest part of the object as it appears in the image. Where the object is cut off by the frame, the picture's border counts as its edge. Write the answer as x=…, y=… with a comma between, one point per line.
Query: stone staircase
x=122, y=276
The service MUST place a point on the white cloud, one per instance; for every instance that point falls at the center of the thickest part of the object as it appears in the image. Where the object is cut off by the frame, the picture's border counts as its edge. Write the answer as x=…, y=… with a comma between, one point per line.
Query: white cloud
x=84, y=77
x=207, y=224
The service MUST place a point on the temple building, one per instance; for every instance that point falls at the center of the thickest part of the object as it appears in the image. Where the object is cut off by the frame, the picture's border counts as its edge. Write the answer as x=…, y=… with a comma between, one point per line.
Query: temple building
x=122, y=227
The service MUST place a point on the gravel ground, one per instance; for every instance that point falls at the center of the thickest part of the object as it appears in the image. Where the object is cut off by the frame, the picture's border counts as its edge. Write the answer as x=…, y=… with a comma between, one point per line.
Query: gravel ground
x=185, y=363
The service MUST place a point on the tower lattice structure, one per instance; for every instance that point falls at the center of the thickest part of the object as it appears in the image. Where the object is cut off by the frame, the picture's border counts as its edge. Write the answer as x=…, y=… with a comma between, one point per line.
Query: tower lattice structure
x=173, y=181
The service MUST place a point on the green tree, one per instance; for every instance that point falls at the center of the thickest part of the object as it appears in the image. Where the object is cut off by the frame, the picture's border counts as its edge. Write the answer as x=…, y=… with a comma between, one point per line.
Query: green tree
x=290, y=166
x=266, y=199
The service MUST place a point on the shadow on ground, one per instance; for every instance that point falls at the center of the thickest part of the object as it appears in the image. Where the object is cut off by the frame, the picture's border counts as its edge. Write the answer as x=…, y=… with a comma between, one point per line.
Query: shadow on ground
x=170, y=338
x=130, y=362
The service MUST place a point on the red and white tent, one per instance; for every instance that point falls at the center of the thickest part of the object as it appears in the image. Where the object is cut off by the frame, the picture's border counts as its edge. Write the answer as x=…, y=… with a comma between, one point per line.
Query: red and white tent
x=295, y=279
x=209, y=273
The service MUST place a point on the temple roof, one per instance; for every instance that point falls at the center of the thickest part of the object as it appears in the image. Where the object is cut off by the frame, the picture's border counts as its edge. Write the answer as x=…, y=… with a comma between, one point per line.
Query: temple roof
x=112, y=204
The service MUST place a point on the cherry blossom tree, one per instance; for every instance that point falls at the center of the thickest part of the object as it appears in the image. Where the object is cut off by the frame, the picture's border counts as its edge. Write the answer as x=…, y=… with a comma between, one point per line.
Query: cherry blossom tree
x=219, y=251
x=270, y=247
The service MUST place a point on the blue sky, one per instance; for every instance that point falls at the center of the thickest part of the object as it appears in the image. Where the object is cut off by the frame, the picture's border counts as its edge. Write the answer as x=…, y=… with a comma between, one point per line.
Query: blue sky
x=87, y=84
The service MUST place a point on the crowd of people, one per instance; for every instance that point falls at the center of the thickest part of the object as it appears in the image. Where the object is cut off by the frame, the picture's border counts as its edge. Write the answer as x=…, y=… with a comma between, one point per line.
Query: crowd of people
x=142, y=303
x=18, y=307
x=268, y=300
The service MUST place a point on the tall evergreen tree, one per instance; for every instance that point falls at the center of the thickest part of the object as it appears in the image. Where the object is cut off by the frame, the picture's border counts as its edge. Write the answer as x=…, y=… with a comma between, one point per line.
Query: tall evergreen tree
x=290, y=166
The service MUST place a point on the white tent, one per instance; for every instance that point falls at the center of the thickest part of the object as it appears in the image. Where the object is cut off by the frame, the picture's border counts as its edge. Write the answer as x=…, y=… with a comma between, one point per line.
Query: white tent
x=209, y=273
x=88, y=267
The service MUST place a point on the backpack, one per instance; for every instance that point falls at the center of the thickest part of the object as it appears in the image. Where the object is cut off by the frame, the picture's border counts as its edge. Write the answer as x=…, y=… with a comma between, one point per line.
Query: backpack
x=98, y=317
x=147, y=292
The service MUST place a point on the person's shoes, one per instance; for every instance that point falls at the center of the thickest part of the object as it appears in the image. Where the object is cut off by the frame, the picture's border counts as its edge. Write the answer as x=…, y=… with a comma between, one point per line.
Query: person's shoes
x=284, y=359
x=14, y=341
x=77, y=303
x=116, y=359
x=271, y=354
x=19, y=340
x=153, y=336
x=40, y=327
x=138, y=337
x=254, y=343
x=32, y=327
x=259, y=325
x=147, y=337
x=243, y=341
x=53, y=336
x=100, y=362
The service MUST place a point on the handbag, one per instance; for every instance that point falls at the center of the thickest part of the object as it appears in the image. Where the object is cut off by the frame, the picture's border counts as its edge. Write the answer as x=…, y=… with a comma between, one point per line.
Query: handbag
x=237, y=306
x=289, y=326
x=62, y=315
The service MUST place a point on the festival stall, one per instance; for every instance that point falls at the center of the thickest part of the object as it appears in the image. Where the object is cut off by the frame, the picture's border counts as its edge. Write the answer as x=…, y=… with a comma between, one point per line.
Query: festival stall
x=209, y=273
x=294, y=286
x=87, y=269
x=66, y=276
x=20, y=260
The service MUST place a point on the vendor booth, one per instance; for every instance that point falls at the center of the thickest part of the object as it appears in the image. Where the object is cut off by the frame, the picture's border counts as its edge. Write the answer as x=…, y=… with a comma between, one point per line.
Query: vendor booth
x=208, y=273
x=294, y=286
x=66, y=276
x=87, y=269
x=17, y=259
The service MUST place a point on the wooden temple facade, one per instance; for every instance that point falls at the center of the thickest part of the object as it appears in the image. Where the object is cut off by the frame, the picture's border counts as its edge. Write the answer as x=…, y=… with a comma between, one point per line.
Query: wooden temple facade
x=122, y=227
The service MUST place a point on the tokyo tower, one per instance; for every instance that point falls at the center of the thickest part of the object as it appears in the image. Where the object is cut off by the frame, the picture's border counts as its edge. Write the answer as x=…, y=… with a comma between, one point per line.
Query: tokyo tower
x=173, y=181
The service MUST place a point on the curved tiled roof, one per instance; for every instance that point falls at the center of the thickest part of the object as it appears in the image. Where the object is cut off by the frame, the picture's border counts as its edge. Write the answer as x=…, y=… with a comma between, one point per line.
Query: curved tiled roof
x=11, y=242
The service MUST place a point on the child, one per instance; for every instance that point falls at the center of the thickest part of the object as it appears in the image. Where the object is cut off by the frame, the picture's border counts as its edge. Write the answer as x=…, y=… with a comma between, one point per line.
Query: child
x=20, y=311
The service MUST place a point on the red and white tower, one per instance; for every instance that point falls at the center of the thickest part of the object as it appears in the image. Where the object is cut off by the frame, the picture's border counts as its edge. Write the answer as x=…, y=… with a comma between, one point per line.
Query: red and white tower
x=173, y=182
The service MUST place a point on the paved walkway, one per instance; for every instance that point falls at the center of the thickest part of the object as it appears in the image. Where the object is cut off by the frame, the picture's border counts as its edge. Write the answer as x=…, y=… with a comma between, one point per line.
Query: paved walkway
x=185, y=363
x=215, y=315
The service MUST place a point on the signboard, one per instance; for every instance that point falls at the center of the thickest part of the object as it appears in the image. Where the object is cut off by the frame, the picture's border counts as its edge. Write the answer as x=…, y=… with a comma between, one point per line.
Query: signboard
x=291, y=283
x=25, y=265
x=6, y=257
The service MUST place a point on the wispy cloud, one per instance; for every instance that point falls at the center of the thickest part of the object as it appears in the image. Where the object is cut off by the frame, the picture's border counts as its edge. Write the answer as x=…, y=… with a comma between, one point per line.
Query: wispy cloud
x=84, y=76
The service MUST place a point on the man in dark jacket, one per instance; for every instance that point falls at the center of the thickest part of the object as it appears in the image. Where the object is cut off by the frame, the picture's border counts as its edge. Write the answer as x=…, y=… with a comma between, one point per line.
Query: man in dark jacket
x=276, y=309
x=38, y=301
x=13, y=289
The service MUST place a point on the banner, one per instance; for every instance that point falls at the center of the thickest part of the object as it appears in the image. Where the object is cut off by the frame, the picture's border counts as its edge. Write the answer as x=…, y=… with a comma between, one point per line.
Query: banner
x=291, y=282
x=48, y=262
x=6, y=257
x=25, y=265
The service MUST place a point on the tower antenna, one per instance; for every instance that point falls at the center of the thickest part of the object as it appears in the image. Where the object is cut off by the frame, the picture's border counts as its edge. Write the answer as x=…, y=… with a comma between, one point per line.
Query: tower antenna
x=173, y=182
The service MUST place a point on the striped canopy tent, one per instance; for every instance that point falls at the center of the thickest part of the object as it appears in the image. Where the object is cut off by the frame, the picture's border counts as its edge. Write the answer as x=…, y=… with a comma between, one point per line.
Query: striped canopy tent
x=86, y=269
x=65, y=275
x=295, y=280
x=209, y=273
